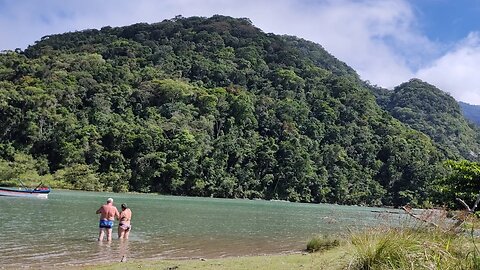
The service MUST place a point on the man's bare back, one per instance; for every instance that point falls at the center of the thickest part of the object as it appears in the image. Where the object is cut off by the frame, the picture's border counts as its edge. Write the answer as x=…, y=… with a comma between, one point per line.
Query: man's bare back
x=108, y=212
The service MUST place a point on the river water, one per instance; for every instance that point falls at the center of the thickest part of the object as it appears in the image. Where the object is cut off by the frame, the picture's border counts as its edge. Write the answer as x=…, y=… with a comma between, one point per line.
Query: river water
x=62, y=230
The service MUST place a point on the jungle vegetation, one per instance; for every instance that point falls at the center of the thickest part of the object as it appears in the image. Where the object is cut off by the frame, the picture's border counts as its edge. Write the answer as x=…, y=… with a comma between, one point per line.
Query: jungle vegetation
x=216, y=107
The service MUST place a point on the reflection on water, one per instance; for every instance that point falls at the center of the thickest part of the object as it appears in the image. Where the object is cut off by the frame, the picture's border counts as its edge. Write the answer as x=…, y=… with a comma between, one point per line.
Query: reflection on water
x=63, y=229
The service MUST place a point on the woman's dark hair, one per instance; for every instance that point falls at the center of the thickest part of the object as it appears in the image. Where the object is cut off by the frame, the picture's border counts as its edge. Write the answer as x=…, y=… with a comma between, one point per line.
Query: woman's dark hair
x=124, y=206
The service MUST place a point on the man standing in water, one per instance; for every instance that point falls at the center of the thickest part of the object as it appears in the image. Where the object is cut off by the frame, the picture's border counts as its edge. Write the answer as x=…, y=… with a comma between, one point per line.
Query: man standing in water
x=124, y=226
x=108, y=213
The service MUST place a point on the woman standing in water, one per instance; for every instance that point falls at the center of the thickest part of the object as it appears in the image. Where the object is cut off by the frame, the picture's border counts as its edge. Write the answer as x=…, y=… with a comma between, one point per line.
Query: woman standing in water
x=124, y=225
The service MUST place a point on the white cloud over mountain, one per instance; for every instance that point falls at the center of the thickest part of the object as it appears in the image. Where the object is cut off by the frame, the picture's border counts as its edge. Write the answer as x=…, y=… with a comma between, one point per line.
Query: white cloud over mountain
x=457, y=72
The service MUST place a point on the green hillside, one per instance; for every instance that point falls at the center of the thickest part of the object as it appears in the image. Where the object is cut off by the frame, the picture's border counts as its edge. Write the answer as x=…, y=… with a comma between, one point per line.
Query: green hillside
x=425, y=108
x=471, y=112
x=208, y=107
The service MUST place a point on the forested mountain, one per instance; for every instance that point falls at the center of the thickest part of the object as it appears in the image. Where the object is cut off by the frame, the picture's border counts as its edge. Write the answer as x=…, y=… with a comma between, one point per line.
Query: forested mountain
x=425, y=108
x=471, y=112
x=212, y=107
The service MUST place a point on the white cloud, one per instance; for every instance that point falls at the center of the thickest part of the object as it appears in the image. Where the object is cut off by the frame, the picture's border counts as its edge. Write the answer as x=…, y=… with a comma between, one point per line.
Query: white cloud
x=457, y=72
x=356, y=32
x=379, y=39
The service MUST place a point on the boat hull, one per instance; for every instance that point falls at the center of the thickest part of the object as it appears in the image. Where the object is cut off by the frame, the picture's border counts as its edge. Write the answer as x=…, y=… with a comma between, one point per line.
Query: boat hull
x=42, y=194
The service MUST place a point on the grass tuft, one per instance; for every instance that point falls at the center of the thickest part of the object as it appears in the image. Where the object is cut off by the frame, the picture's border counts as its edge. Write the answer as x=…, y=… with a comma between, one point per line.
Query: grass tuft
x=320, y=243
x=419, y=248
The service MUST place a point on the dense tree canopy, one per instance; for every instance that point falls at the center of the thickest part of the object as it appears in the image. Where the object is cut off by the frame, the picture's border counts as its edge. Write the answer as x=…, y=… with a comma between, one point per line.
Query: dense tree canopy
x=463, y=182
x=424, y=107
x=207, y=107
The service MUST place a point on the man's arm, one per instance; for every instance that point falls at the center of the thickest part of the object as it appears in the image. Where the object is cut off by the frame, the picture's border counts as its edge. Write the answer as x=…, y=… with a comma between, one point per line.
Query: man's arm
x=99, y=210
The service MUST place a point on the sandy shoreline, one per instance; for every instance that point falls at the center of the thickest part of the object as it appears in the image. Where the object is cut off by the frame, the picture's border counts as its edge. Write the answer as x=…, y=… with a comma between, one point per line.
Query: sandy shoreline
x=123, y=259
x=332, y=259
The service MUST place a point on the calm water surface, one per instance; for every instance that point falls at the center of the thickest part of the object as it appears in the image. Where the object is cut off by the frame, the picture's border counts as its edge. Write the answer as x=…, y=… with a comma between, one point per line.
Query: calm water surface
x=63, y=229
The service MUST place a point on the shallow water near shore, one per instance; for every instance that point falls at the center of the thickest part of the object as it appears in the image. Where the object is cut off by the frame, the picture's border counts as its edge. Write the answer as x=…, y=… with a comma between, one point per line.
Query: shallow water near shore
x=62, y=230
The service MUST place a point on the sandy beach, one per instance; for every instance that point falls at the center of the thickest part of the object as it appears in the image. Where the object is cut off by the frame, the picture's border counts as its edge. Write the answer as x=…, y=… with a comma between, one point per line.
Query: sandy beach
x=336, y=258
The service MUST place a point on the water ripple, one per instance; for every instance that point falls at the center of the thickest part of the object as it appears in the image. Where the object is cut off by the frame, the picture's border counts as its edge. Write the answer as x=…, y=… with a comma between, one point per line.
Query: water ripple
x=63, y=229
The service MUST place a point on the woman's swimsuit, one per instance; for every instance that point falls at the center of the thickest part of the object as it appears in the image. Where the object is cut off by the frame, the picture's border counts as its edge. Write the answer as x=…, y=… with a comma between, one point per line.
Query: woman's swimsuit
x=124, y=226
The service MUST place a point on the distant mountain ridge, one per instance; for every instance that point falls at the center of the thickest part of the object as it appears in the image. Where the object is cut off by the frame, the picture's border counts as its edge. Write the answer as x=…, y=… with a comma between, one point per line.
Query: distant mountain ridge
x=471, y=112
x=426, y=108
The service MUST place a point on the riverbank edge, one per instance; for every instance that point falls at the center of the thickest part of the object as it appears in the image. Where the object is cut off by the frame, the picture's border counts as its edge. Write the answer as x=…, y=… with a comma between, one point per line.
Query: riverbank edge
x=423, y=247
x=337, y=258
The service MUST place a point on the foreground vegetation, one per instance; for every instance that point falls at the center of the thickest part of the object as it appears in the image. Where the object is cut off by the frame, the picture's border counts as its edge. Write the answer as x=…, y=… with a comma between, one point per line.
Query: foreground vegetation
x=369, y=250
x=414, y=249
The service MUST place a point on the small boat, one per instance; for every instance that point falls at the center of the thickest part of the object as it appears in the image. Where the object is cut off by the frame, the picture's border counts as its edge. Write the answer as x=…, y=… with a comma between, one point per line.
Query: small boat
x=38, y=192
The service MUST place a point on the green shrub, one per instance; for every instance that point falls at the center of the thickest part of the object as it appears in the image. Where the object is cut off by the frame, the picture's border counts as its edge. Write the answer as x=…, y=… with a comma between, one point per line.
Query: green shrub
x=319, y=243
x=377, y=249
x=79, y=176
x=419, y=248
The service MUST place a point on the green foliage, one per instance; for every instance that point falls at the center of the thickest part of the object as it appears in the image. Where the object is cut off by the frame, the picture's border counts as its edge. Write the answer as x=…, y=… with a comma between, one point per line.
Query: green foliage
x=23, y=168
x=207, y=107
x=412, y=249
x=79, y=176
x=462, y=181
x=425, y=108
x=379, y=250
x=321, y=243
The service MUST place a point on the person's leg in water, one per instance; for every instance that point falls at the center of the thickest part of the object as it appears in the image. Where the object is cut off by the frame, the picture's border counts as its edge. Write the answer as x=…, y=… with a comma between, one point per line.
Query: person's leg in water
x=121, y=232
x=100, y=234
x=109, y=234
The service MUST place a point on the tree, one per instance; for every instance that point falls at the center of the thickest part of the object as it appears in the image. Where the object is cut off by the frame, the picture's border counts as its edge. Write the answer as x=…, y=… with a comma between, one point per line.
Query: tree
x=462, y=182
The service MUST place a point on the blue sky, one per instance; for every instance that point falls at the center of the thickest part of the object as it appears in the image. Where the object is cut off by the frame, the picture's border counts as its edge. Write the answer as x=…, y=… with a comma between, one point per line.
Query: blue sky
x=387, y=41
x=447, y=20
